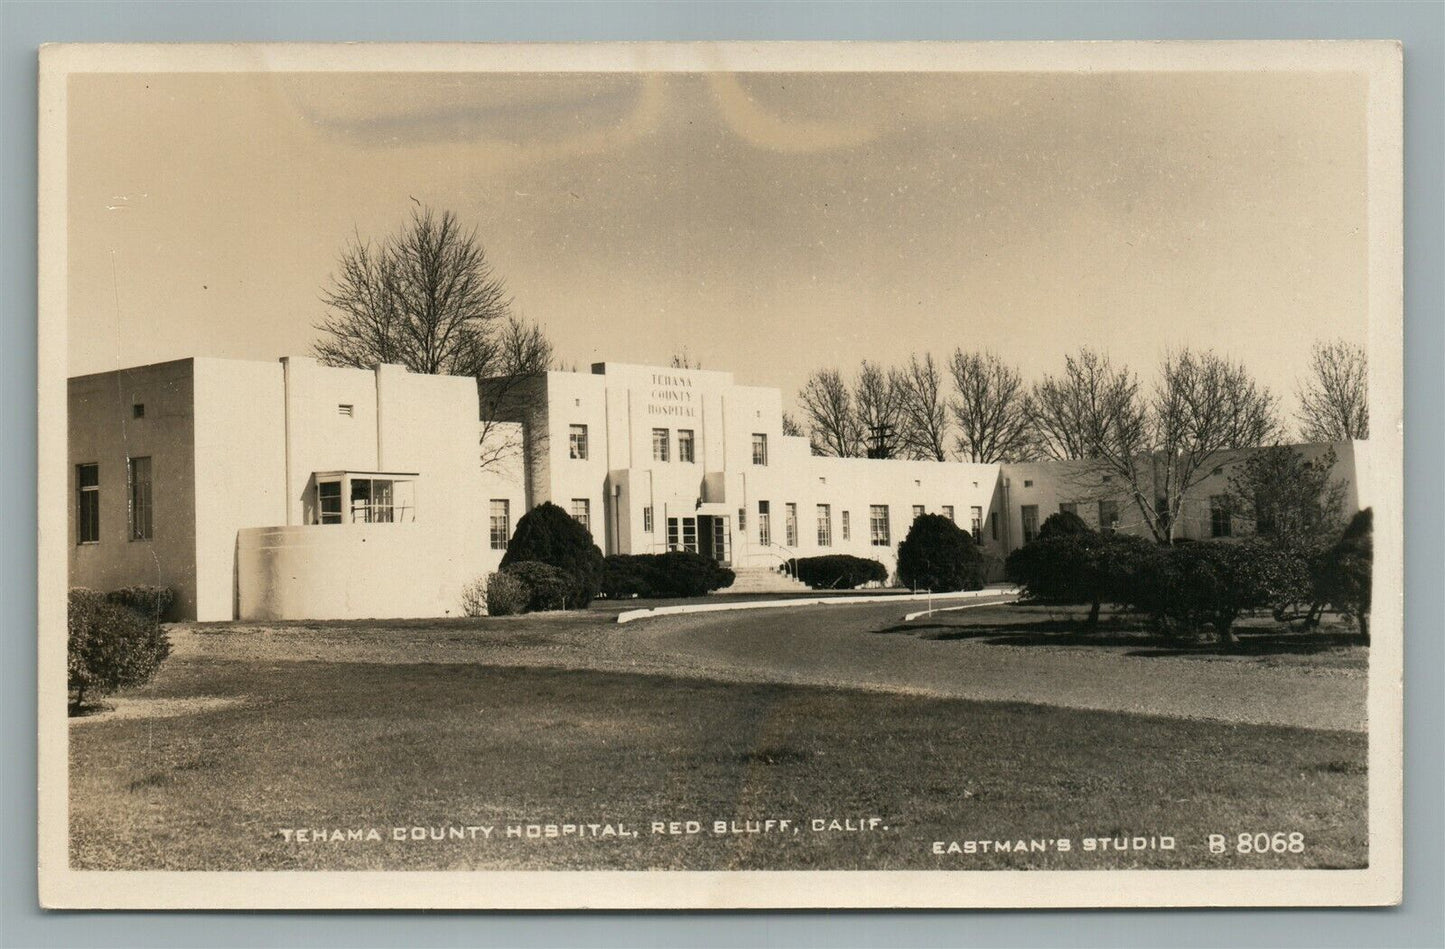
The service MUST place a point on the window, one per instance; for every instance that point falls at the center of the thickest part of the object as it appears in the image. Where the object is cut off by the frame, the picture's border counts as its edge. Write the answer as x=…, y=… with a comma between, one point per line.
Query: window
x=138, y=410
x=993, y=524
x=140, y=499
x=87, y=504
x=917, y=511
x=682, y=534
x=346, y=409
x=742, y=518
x=328, y=494
x=1028, y=484
x=878, y=525
x=373, y=501
x=501, y=526
x=684, y=446
x=1219, y=517
x=765, y=526
x=659, y=444
x=1030, y=516
x=790, y=524
x=647, y=519
x=1069, y=507
x=582, y=512
x=577, y=442
x=948, y=512
x=1108, y=516
x=760, y=449
x=825, y=525
x=847, y=526
x=975, y=523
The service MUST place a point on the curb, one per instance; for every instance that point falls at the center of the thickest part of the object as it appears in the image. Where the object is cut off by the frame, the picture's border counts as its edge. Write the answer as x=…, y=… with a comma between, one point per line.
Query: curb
x=628, y=616
x=910, y=617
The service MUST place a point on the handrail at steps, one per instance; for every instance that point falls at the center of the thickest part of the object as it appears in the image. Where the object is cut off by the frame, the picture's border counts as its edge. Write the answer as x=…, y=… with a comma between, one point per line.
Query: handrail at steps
x=628, y=616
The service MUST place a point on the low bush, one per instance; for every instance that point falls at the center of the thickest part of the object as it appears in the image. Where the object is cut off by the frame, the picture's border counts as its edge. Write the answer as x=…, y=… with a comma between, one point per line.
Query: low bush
x=474, y=598
x=672, y=574
x=547, y=534
x=939, y=555
x=838, y=571
x=506, y=595
x=547, y=587
x=149, y=601
x=109, y=646
x=1080, y=567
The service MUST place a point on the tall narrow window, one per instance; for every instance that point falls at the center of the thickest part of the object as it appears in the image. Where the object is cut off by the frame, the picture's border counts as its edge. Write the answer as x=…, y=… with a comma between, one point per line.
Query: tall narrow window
x=917, y=511
x=878, y=531
x=673, y=539
x=1029, y=513
x=689, y=534
x=765, y=523
x=501, y=525
x=1108, y=516
x=87, y=504
x=790, y=524
x=760, y=448
x=647, y=519
x=1220, y=522
x=993, y=524
x=659, y=444
x=948, y=512
x=685, y=451
x=140, y=499
x=825, y=525
x=328, y=494
x=975, y=523
x=577, y=442
x=582, y=512
x=847, y=526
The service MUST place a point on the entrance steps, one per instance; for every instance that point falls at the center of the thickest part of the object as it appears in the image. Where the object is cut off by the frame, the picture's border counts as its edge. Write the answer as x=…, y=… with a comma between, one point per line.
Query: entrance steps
x=763, y=580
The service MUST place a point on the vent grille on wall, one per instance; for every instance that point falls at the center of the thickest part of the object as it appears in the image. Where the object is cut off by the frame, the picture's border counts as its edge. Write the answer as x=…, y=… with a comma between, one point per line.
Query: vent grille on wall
x=345, y=409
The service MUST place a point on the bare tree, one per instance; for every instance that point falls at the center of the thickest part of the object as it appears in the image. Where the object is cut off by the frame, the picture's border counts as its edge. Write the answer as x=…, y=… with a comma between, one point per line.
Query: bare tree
x=684, y=360
x=920, y=386
x=425, y=297
x=520, y=352
x=1160, y=445
x=832, y=425
x=878, y=402
x=1335, y=400
x=792, y=427
x=991, y=408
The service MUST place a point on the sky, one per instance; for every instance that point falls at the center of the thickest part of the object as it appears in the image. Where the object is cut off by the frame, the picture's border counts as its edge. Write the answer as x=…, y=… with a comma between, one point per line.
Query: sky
x=768, y=224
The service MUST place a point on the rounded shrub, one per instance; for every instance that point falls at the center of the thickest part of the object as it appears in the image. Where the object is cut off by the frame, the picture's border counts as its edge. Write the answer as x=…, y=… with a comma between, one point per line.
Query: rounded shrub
x=547, y=534
x=838, y=571
x=109, y=647
x=506, y=595
x=1063, y=523
x=547, y=587
x=939, y=555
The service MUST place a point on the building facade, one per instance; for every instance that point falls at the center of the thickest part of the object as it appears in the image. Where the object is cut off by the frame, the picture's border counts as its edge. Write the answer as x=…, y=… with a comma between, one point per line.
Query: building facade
x=289, y=490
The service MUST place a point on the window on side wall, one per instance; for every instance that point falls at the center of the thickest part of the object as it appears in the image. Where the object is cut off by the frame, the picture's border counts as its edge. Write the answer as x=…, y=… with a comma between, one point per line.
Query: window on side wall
x=647, y=519
x=1029, y=514
x=825, y=525
x=975, y=524
x=87, y=504
x=790, y=524
x=760, y=448
x=685, y=450
x=948, y=512
x=659, y=444
x=993, y=524
x=141, y=518
x=765, y=523
x=582, y=512
x=1108, y=516
x=847, y=526
x=501, y=523
x=1069, y=507
x=878, y=530
x=1220, y=522
x=577, y=442
x=917, y=511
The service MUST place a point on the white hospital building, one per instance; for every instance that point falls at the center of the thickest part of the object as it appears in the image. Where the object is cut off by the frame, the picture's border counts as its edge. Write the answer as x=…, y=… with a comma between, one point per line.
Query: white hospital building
x=289, y=490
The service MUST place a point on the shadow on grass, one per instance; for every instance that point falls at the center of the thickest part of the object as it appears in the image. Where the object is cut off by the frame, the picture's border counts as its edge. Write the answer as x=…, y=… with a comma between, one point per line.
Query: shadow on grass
x=1118, y=633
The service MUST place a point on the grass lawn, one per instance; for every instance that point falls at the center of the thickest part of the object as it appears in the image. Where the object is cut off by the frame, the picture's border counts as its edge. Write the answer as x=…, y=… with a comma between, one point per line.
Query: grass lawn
x=362, y=745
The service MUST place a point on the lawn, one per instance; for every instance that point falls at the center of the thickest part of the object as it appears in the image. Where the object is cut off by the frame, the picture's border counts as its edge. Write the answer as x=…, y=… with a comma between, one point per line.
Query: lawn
x=357, y=746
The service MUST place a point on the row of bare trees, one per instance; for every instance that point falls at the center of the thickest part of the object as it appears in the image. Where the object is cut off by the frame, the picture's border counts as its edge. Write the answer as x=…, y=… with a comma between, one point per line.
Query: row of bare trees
x=1156, y=443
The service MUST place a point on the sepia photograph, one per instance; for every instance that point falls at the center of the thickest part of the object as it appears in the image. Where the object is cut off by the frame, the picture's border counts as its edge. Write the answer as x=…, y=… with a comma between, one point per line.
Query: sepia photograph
x=721, y=475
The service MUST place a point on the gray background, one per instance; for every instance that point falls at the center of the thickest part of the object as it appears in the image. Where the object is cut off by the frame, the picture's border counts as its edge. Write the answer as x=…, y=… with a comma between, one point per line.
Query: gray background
x=1421, y=25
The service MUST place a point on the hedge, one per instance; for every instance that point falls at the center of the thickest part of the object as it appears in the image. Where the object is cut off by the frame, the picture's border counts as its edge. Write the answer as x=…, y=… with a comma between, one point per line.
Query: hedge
x=149, y=601
x=838, y=571
x=547, y=587
x=506, y=594
x=672, y=574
